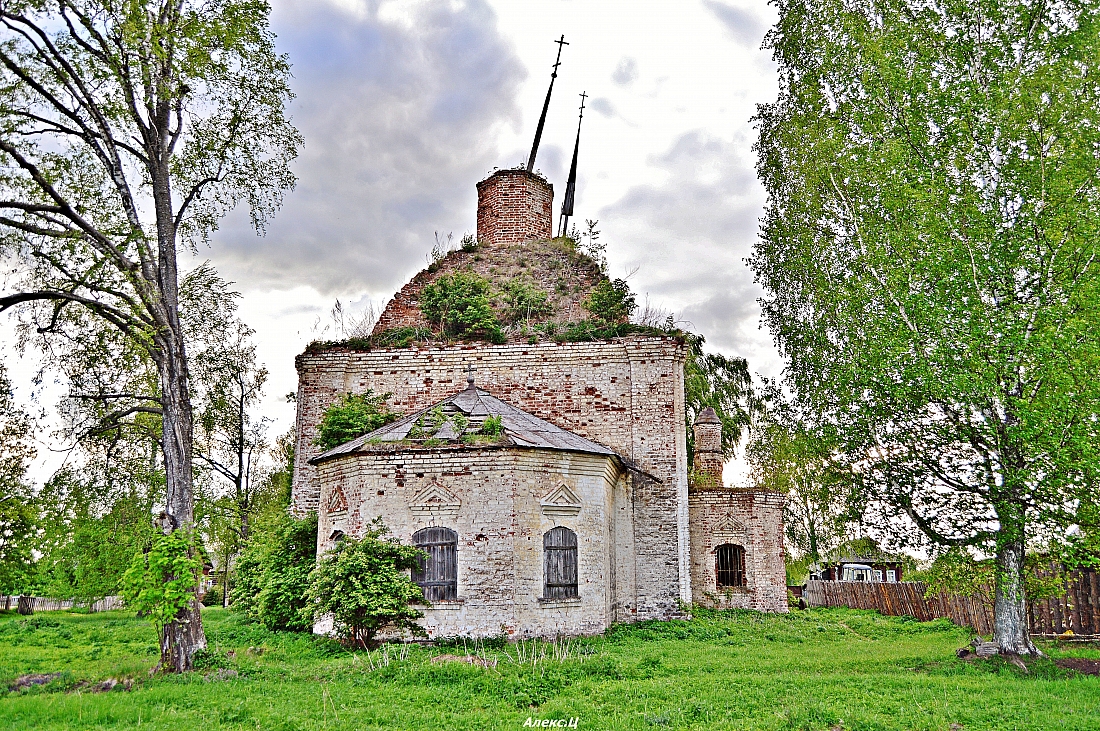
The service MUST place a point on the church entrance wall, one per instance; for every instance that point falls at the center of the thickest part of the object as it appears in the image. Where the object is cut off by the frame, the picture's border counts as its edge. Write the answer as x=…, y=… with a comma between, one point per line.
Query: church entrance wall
x=502, y=504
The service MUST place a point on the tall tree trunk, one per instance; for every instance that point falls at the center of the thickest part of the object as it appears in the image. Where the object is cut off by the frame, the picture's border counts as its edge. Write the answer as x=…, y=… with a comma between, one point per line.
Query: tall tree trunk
x=1010, y=623
x=184, y=635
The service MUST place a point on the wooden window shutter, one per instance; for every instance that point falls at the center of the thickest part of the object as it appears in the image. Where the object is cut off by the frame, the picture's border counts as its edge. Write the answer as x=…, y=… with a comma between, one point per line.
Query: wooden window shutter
x=560, y=549
x=438, y=572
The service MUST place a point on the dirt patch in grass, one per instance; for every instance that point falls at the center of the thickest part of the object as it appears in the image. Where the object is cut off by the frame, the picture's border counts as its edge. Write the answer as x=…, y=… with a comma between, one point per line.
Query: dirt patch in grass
x=105, y=686
x=29, y=681
x=1079, y=664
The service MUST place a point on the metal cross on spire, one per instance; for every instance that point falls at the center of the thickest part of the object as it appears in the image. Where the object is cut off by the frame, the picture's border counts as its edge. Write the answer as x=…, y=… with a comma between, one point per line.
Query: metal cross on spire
x=545, y=106
x=571, y=186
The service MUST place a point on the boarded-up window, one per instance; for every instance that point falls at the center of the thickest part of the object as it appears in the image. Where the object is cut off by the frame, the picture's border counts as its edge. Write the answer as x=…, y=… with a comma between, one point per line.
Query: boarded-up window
x=438, y=572
x=729, y=565
x=560, y=546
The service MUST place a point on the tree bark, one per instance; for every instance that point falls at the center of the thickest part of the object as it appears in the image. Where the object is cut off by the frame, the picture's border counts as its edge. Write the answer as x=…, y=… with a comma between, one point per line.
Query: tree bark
x=184, y=635
x=1010, y=623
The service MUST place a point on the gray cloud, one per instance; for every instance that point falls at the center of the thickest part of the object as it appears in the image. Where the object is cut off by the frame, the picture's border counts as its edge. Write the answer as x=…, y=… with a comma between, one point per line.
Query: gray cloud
x=745, y=27
x=625, y=72
x=603, y=106
x=398, y=122
x=689, y=237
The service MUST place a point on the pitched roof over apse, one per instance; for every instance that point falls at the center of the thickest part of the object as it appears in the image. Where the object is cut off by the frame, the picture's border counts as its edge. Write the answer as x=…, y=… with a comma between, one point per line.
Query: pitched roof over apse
x=462, y=416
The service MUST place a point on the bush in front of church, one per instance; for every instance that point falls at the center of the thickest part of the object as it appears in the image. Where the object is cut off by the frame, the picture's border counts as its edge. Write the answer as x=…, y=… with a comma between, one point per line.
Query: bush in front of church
x=365, y=586
x=523, y=300
x=353, y=416
x=272, y=574
x=458, y=305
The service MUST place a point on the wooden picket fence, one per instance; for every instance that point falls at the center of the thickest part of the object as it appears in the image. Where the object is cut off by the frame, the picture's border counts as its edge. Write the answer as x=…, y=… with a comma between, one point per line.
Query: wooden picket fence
x=45, y=604
x=903, y=598
x=1078, y=610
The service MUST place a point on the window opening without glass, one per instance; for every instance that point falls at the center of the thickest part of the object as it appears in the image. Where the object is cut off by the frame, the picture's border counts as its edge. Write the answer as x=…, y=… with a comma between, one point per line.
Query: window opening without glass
x=729, y=565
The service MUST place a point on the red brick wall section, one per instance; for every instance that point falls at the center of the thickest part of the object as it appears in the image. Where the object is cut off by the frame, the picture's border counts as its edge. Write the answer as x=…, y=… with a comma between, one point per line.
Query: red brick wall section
x=514, y=235
x=514, y=206
x=553, y=266
x=759, y=513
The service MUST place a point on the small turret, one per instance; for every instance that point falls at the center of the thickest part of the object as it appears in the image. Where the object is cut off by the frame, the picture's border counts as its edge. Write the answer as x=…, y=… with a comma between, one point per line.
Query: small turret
x=514, y=207
x=708, y=462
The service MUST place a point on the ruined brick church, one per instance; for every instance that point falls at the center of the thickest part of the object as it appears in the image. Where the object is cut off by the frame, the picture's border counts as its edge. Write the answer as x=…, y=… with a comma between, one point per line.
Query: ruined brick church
x=547, y=481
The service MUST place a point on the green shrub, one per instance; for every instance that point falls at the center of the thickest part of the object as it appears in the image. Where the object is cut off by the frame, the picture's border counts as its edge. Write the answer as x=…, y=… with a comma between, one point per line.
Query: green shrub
x=525, y=300
x=611, y=301
x=492, y=426
x=428, y=424
x=957, y=573
x=363, y=584
x=161, y=582
x=213, y=597
x=353, y=416
x=458, y=304
x=588, y=330
x=1081, y=550
x=272, y=574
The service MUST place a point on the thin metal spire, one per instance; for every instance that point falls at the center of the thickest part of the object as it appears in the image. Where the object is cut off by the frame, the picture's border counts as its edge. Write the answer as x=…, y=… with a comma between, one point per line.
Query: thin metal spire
x=545, y=106
x=571, y=186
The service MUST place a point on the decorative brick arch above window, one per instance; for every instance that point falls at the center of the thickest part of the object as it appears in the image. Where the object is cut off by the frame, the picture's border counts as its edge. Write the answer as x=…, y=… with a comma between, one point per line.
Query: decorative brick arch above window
x=435, y=501
x=561, y=501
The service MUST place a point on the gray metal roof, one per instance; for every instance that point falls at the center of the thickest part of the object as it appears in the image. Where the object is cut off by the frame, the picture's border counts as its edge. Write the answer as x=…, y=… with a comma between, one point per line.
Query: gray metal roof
x=463, y=414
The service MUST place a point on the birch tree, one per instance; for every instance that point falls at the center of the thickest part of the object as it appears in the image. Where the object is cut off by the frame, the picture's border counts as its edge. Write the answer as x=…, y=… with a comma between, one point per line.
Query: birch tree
x=929, y=259
x=127, y=130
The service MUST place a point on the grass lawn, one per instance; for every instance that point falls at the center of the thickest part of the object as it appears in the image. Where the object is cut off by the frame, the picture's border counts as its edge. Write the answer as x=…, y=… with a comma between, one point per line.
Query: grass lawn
x=816, y=669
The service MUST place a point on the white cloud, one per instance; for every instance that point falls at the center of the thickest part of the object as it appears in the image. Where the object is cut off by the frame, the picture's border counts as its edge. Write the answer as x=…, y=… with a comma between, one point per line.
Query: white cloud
x=626, y=72
x=741, y=24
x=603, y=106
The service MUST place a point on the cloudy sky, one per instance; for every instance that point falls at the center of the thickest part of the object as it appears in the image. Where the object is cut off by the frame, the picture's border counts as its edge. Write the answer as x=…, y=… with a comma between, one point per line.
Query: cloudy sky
x=406, y=104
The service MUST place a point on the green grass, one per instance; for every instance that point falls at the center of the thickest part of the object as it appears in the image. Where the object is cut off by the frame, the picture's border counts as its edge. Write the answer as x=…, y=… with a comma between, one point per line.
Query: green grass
x=816, y=669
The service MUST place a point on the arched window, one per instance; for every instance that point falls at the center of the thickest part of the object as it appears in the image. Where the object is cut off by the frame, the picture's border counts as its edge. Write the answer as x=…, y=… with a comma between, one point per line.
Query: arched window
x=560, y=548
x=438, y=573
x=729, y=565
